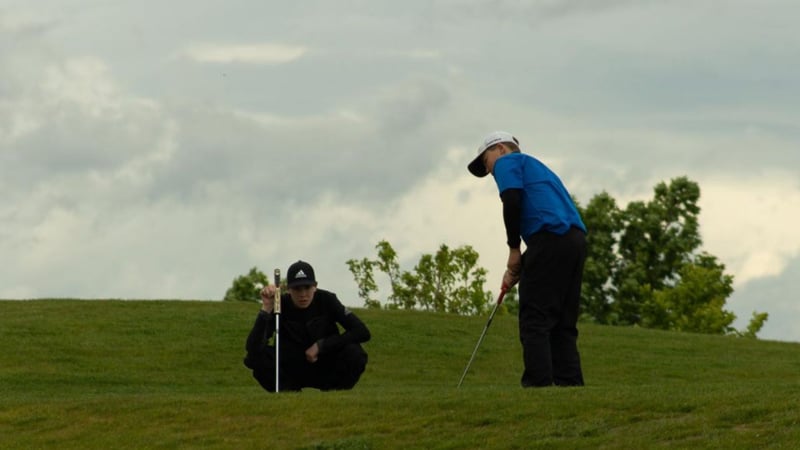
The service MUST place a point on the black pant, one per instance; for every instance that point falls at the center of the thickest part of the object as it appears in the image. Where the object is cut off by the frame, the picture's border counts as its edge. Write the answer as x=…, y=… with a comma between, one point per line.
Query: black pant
x=549, y=297
x=334, y=371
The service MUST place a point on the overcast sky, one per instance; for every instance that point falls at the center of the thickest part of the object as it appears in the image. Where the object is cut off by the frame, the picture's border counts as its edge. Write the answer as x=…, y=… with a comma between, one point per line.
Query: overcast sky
x=154, y=149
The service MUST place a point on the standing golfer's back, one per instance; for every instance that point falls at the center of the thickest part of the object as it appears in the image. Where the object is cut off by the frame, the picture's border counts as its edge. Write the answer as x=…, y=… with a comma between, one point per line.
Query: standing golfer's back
x=546, y=203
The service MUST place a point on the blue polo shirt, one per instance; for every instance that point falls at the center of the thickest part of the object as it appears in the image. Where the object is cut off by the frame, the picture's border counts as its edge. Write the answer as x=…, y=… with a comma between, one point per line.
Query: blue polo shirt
x=546, y=204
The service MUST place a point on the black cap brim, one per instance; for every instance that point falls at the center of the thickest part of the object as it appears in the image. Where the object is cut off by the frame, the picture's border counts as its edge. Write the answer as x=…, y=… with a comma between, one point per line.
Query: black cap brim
x=477, y=168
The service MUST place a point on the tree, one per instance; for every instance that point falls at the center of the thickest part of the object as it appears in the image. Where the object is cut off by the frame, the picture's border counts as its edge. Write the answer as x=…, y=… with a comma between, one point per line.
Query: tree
x=246, y=287
x=447, y=281
x=657, y=239
x=362, y=272
x=604, y=220
x=695, y=303
x=644, y=266
x=756, y=322
x=387, y=263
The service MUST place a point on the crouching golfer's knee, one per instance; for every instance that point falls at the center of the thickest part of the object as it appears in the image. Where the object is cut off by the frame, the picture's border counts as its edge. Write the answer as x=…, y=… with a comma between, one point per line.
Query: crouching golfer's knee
x=350, y=365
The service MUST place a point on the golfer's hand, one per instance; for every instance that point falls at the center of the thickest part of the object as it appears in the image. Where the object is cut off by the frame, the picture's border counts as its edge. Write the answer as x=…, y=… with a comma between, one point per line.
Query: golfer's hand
x=513, y=268
x=312, y=354
x=509, y=280
x=267, y=298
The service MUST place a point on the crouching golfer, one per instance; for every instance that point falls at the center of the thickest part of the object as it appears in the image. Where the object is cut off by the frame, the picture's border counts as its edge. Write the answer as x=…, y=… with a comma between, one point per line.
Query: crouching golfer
x=312, y=352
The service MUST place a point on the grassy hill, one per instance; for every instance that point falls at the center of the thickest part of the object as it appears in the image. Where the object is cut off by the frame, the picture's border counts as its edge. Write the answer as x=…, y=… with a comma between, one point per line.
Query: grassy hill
x=165, y=375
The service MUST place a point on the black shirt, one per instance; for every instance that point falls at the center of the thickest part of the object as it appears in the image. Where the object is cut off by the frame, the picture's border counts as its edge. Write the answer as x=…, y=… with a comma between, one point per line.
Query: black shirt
x=301, y=328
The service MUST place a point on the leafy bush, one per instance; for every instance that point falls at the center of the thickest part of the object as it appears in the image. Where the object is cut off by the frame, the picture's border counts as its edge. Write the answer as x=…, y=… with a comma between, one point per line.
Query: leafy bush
x=246, y=287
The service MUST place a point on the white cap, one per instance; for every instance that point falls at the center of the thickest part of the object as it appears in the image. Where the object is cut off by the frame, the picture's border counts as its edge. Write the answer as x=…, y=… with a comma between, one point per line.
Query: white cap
x=476, y=167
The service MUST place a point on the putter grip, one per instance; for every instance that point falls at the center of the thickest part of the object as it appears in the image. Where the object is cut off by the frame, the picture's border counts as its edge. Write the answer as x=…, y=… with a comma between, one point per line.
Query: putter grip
x=277, y=306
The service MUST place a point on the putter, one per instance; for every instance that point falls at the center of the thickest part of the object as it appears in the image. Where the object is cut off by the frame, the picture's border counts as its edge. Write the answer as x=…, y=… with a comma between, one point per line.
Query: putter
x=277, y=309
x=489, y=322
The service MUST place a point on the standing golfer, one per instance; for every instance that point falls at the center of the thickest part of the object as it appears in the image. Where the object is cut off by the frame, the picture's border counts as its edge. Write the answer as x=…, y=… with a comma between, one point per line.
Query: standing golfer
x=538, y=210
x=313, y=353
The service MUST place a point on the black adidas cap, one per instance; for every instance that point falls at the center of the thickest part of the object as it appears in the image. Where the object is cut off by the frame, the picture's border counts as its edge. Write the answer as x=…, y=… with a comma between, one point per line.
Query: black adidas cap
x=300, y=274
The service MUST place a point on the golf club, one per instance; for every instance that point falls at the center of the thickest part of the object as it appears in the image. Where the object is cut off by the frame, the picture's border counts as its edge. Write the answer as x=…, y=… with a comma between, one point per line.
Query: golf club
x=277, y=309
x=489, y=322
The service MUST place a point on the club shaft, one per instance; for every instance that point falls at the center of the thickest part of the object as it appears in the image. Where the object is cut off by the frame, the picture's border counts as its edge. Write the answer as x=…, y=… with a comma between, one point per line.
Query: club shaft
x=277, y=309
x=483, y=334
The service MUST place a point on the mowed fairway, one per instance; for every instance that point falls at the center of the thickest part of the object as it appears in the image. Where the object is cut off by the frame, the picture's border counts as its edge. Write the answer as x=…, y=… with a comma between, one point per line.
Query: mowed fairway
x=169, y=374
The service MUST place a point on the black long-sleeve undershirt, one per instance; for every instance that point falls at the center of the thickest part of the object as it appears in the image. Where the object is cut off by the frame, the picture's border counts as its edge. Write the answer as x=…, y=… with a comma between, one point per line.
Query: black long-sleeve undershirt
x=512, y=210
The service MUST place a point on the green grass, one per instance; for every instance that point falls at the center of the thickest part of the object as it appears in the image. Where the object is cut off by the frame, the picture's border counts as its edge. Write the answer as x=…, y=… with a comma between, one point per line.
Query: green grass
x=166, y=375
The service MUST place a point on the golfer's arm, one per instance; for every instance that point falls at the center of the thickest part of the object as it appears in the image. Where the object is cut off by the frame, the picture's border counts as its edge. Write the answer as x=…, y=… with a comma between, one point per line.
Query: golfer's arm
x=261, y=332
x=512, y=210
x=355, y=332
